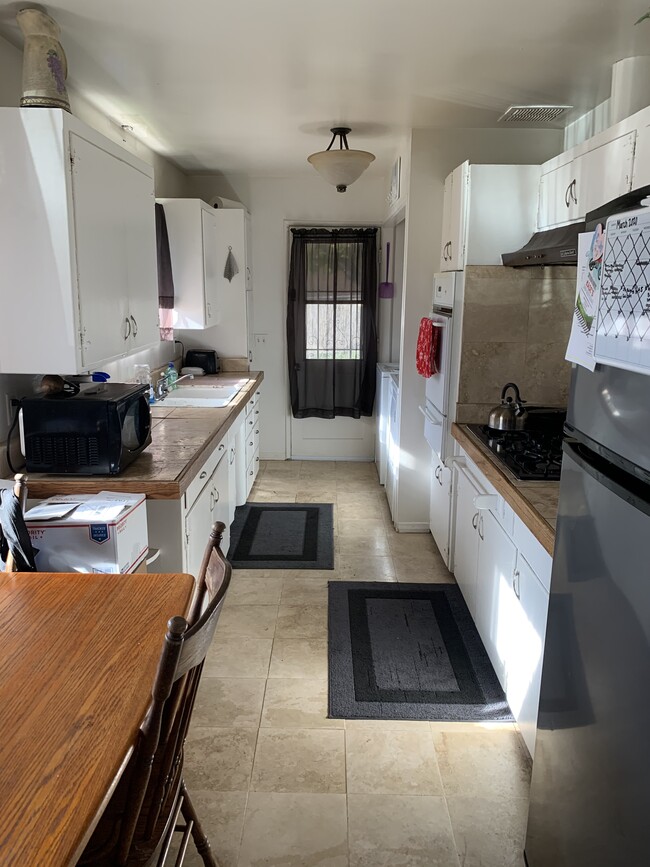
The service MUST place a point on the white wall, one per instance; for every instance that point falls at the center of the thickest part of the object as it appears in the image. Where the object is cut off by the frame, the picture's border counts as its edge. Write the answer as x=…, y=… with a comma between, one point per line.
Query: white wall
x=273, y=203
x=435, y=153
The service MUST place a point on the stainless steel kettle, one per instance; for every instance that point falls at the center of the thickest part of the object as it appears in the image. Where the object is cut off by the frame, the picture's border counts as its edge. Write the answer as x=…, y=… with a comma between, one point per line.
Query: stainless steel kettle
x=510, y=414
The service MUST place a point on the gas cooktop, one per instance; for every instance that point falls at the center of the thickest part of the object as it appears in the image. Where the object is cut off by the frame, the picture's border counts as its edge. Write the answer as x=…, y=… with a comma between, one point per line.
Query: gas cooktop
x=530, y=455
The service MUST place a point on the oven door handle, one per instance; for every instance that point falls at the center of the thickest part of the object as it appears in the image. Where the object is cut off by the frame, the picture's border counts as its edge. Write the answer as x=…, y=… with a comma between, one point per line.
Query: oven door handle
x=425, y=412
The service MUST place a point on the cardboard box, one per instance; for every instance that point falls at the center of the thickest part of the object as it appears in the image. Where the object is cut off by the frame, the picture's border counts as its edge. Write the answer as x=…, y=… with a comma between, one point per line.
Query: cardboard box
x=105, y=532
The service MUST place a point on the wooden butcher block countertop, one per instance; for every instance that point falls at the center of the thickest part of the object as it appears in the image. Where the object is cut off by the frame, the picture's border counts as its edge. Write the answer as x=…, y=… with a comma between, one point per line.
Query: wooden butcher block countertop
x=183, y=438
x=535, y=503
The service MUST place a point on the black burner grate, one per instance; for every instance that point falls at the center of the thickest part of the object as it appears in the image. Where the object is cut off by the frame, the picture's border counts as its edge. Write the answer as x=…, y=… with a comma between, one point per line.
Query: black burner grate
x=530, y=455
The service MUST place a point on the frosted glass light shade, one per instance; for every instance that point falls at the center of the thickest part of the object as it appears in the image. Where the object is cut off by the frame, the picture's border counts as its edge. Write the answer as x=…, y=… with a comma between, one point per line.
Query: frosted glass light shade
x=341, y=167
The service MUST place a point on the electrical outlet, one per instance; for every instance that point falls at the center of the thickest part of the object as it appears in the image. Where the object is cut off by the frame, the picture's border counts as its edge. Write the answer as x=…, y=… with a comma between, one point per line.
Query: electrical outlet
x=260, y=339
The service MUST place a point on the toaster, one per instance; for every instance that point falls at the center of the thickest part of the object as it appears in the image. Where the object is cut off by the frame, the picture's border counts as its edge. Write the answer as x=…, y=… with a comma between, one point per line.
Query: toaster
x=206, y=359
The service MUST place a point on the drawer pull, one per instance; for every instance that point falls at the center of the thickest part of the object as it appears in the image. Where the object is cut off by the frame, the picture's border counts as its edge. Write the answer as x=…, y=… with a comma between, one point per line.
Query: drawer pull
x=251, y=473
x=257, y=460
x=250, y=443
x=475, y=520
x=222, y=447
x=257, y=432
x=203, y=474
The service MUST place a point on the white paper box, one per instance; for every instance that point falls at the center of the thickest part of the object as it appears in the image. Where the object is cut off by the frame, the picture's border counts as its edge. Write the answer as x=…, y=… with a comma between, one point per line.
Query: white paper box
x=75, y=544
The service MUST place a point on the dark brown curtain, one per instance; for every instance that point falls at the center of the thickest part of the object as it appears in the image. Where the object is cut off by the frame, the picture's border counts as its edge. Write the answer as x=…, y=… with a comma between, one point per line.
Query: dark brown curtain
x=331, y=322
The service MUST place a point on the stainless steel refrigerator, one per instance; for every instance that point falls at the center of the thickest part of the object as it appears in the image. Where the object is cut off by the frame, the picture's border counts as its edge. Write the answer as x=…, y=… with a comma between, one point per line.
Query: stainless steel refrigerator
x=590, y=793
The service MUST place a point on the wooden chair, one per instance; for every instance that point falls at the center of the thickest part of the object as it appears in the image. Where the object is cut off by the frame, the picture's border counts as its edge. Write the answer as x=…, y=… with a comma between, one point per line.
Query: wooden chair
x=138, y=824
x=20, y=492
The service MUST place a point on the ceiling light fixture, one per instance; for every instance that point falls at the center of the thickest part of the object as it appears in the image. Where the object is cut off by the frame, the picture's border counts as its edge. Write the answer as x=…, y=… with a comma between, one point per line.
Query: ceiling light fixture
x=341, y=167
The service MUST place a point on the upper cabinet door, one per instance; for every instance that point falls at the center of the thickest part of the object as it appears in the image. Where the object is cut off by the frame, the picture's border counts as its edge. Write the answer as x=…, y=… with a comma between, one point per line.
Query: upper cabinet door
x=139, y=215
x=606, y=173
x=458, y=218
x=210, y=267
x=99, y=183
x=558, y=195
x=446, y=224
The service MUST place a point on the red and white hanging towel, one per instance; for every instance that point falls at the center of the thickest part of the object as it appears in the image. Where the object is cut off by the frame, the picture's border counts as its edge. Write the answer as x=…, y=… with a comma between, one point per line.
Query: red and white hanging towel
x=426, y=360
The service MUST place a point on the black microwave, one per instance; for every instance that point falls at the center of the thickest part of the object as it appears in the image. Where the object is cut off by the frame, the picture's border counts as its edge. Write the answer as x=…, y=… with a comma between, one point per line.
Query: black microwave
x=98, y=431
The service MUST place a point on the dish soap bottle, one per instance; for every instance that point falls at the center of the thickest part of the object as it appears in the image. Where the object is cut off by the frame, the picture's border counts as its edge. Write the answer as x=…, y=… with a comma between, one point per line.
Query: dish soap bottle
x=171, y=376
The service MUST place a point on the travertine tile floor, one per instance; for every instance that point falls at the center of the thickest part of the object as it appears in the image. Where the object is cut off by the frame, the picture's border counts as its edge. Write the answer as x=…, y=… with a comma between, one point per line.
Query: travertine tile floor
x=275, y=782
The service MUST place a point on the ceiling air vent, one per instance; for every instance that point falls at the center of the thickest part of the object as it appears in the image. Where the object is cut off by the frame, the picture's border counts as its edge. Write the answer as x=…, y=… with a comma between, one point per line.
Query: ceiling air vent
x=533, y=113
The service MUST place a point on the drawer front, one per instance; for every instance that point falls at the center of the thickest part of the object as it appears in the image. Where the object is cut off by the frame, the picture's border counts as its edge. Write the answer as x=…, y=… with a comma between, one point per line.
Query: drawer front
x=252, y=440
x=497, y=504
x=199, y=481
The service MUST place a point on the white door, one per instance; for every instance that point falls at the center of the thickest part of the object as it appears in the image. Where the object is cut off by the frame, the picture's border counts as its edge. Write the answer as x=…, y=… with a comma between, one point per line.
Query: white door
x=525, y=651
x=466, y=537
x=558, y=195
x=440, y=507
x=606, y=173
x=210, y=267
x=446, y=224
x=100, y=183
x=139, y=214
x=221, y=498
x=458, y=218
x=198, y=523
x=496, y=565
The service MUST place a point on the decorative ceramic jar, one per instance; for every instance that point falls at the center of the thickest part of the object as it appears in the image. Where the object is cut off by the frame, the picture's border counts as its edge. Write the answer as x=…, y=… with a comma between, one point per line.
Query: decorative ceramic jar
x=45, y=67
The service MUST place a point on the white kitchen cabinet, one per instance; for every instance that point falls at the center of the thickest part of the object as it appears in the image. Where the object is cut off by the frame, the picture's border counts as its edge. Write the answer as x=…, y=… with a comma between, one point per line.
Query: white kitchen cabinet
x=452, y=252
x=392, y=445
x=197, y=525
x=233, y=335
x=489, y=210
x=193, y=246
x=606, y=172
x=584, y=178
x=525, y=609
x=496, y=565
x=252, y=440
x=79, y=243
x=440, y=506
x=466, y=536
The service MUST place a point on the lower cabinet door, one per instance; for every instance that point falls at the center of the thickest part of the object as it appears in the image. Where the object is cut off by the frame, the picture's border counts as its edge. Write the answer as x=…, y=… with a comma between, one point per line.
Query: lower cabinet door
x=497, y=557
x=526, y=618
x=466, y=538
x=440, y=506
x=221, y=500
x=198, y=523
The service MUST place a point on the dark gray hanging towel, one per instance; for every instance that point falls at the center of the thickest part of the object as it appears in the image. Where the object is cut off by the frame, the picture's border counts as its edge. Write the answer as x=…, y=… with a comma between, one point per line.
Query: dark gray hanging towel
x=14, y=537
x=165, y=276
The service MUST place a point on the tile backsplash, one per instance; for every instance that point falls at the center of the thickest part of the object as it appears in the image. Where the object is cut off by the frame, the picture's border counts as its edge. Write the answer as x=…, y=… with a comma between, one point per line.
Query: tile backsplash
x=516, y=326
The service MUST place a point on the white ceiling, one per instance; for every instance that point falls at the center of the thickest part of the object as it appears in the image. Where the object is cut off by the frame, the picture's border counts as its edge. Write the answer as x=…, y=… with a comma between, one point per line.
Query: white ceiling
x=254, y=85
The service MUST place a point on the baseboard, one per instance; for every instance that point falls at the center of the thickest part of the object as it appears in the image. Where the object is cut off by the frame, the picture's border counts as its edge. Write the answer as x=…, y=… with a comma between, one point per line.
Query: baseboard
x=338, y=459
x=274, y=456
x=414, y=527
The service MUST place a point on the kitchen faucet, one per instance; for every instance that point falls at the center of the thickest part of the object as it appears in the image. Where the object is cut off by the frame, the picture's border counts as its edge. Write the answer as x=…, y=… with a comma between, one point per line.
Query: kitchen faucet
x=162, y=387
x=185, y=376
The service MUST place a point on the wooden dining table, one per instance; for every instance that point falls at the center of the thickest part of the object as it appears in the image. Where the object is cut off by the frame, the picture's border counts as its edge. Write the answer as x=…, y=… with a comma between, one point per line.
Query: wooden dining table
x=78, y=655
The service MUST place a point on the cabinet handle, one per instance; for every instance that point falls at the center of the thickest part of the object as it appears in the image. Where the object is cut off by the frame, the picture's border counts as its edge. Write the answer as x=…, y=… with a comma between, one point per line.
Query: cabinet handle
x=203, y=474
x=232, y=456
x=211, y=500
x=257, y=432
x=257, y=412
x=437, y=473
x=127, y=330
x=475, y=521
x=440, y=477
x=216, y=496
x=257, y=460
x=250, y=443
x=135, y=326
x=574, y=185
x=480, y=528
x=450, y=251
x=251, y=422
x=251, y=473
x=221, y=446
x=515, y=584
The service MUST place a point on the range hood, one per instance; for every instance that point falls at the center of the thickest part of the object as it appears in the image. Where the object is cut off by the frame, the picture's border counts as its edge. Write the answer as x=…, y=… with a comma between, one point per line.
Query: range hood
x=551, y=247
